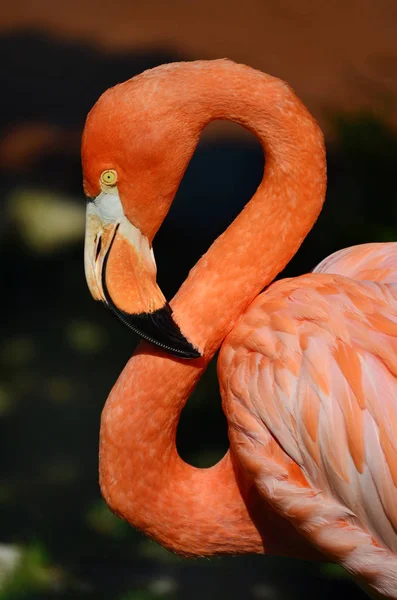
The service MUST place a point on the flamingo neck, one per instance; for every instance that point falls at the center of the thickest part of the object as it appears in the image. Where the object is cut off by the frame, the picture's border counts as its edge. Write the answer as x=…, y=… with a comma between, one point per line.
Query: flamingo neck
x=215, y=510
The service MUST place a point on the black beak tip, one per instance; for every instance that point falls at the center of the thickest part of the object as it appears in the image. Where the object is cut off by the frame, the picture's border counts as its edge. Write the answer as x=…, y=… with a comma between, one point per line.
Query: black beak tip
x=192, y=352
x=160, y=329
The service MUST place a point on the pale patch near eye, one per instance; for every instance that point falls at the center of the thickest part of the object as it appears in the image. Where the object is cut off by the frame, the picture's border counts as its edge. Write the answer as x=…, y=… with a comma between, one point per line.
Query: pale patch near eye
x=107, y=206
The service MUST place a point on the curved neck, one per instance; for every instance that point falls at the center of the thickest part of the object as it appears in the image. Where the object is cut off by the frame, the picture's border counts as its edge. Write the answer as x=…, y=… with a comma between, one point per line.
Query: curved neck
x=272, y=226
x=212, y=511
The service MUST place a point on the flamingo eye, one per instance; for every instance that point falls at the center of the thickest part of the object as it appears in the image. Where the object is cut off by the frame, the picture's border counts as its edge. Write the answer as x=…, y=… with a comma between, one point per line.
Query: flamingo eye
x=109, y=177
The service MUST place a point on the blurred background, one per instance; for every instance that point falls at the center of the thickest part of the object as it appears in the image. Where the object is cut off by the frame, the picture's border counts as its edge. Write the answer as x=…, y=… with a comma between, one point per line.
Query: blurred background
x=60, y=352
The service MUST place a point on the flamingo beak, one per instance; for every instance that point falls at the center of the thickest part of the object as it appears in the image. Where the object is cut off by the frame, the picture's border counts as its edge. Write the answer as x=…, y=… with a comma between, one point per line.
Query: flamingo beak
x=121, y=272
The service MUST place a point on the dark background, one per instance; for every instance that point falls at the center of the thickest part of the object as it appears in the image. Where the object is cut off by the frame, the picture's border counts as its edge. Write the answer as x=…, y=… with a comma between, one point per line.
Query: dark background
x=60, y=353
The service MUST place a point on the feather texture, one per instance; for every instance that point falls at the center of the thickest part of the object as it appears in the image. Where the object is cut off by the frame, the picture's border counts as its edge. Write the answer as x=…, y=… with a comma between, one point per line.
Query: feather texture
x=309, y=382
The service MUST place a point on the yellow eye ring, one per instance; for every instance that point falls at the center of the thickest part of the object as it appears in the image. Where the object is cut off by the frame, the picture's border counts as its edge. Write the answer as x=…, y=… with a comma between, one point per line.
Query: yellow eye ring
x=109, y=177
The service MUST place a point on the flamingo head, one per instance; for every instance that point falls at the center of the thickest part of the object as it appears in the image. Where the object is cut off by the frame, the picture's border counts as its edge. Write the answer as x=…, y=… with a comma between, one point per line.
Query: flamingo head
x=135, y=149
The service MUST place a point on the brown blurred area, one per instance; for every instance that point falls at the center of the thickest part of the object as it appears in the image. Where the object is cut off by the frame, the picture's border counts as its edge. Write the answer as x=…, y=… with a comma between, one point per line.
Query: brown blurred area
x=339, y=55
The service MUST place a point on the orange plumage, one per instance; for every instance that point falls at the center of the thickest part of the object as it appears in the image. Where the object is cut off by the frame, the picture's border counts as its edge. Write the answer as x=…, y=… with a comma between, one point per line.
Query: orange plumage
x=307, y=369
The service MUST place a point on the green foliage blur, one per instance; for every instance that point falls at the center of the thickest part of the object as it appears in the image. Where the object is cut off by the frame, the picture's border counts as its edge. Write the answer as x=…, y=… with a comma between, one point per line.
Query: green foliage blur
x=60, y=353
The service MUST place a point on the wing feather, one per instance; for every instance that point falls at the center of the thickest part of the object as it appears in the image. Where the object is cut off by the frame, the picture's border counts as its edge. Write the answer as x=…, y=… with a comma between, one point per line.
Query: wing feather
x=317, y=368
x=370, y=262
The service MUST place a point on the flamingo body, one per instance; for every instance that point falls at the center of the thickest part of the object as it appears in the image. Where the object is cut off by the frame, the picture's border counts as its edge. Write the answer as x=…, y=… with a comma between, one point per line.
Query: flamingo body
x=307, y=369
x=301, y=375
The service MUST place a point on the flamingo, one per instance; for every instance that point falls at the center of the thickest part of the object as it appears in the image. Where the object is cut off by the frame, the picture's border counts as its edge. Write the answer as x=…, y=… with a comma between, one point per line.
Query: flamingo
x=307, y=369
